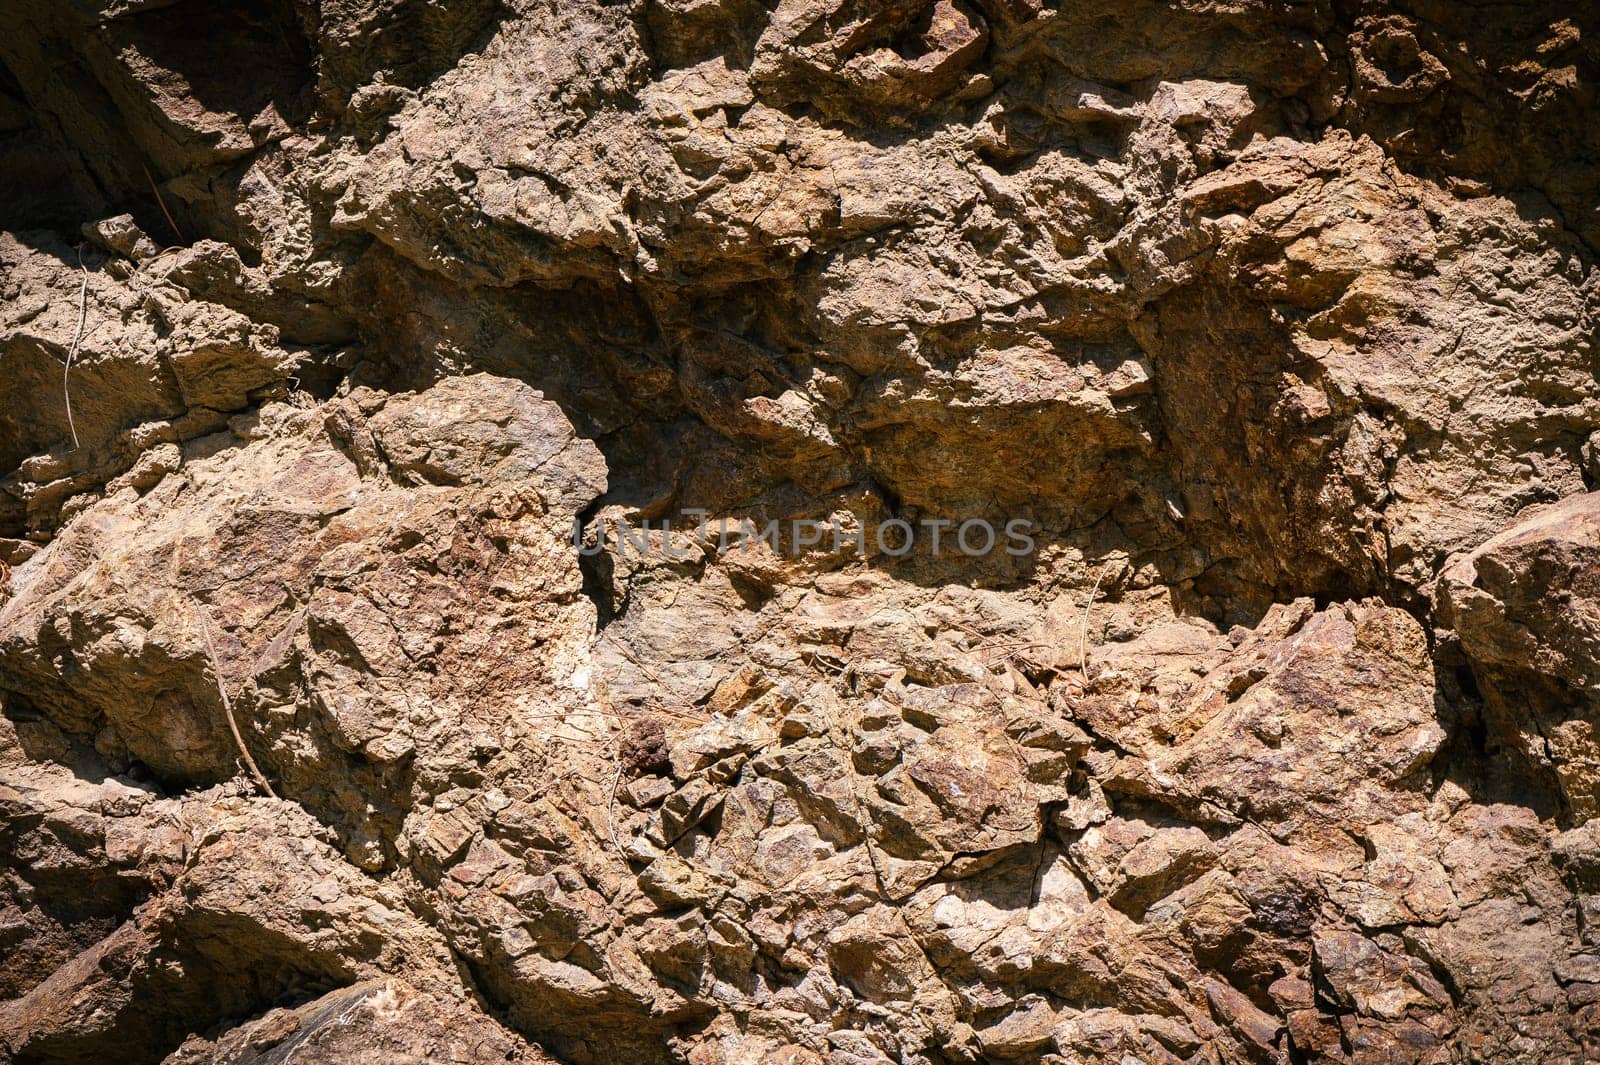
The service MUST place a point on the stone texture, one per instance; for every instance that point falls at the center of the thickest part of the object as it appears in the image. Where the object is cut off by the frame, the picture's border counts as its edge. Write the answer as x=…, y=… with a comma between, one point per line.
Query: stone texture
x=339, y=723
x=1524, y=606
x=379, y=1021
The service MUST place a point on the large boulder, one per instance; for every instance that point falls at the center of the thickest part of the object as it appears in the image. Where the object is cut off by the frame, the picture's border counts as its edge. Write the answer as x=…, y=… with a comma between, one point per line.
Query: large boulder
x=1526, y=608
x=303, y=577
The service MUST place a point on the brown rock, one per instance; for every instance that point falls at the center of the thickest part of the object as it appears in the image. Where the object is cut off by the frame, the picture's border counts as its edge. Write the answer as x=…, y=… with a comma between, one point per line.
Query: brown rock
x=1524, y=605
x=325, y=326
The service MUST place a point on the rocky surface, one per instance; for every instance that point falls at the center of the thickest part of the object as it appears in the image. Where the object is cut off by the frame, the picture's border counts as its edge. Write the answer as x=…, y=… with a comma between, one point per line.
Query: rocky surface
x=341, y=719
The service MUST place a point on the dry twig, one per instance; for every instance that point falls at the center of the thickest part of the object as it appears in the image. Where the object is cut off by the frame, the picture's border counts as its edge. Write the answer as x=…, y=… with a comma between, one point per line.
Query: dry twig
x=611, y=801
x=72, y=352
x=227, y=706
x=1083, y=633
x=161, y=203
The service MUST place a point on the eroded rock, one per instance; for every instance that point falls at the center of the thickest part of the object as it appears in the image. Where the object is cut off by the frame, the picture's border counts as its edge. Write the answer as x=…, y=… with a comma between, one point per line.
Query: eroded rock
x=1270, y=322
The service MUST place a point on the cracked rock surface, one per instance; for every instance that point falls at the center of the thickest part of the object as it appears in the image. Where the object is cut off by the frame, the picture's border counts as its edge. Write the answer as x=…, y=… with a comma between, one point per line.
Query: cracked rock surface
x=347, y=715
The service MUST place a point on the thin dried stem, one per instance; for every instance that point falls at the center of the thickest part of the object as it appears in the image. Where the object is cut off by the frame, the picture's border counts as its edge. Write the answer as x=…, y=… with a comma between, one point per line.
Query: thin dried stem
x=161, y=203
x=1083, y=633
x=613, y=715
x=826, y=663
x=227, y=706
x=611, y=801
x=72, y=352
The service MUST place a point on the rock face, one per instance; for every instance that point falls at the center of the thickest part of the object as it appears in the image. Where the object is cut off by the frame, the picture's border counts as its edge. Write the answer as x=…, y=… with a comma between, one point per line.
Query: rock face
x=350, y=712
x=1526, y=608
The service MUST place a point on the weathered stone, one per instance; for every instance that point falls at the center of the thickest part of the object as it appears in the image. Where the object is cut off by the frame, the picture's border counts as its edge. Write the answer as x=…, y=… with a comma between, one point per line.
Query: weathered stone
x=1258, y=334
x=379, y=1021
x=1526, y=606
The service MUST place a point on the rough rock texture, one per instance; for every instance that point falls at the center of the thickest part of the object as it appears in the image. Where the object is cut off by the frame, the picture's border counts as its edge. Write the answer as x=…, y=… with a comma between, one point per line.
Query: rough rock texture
x=328, y=326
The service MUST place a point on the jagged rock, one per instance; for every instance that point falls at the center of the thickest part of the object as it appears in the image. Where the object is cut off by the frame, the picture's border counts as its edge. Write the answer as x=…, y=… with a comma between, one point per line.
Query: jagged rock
x=261, y=909
x=1319, y=719
x=1266, y=323
x=196, y=605
x=380, y=1021
x=1524, y=607
x=1133, y=864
